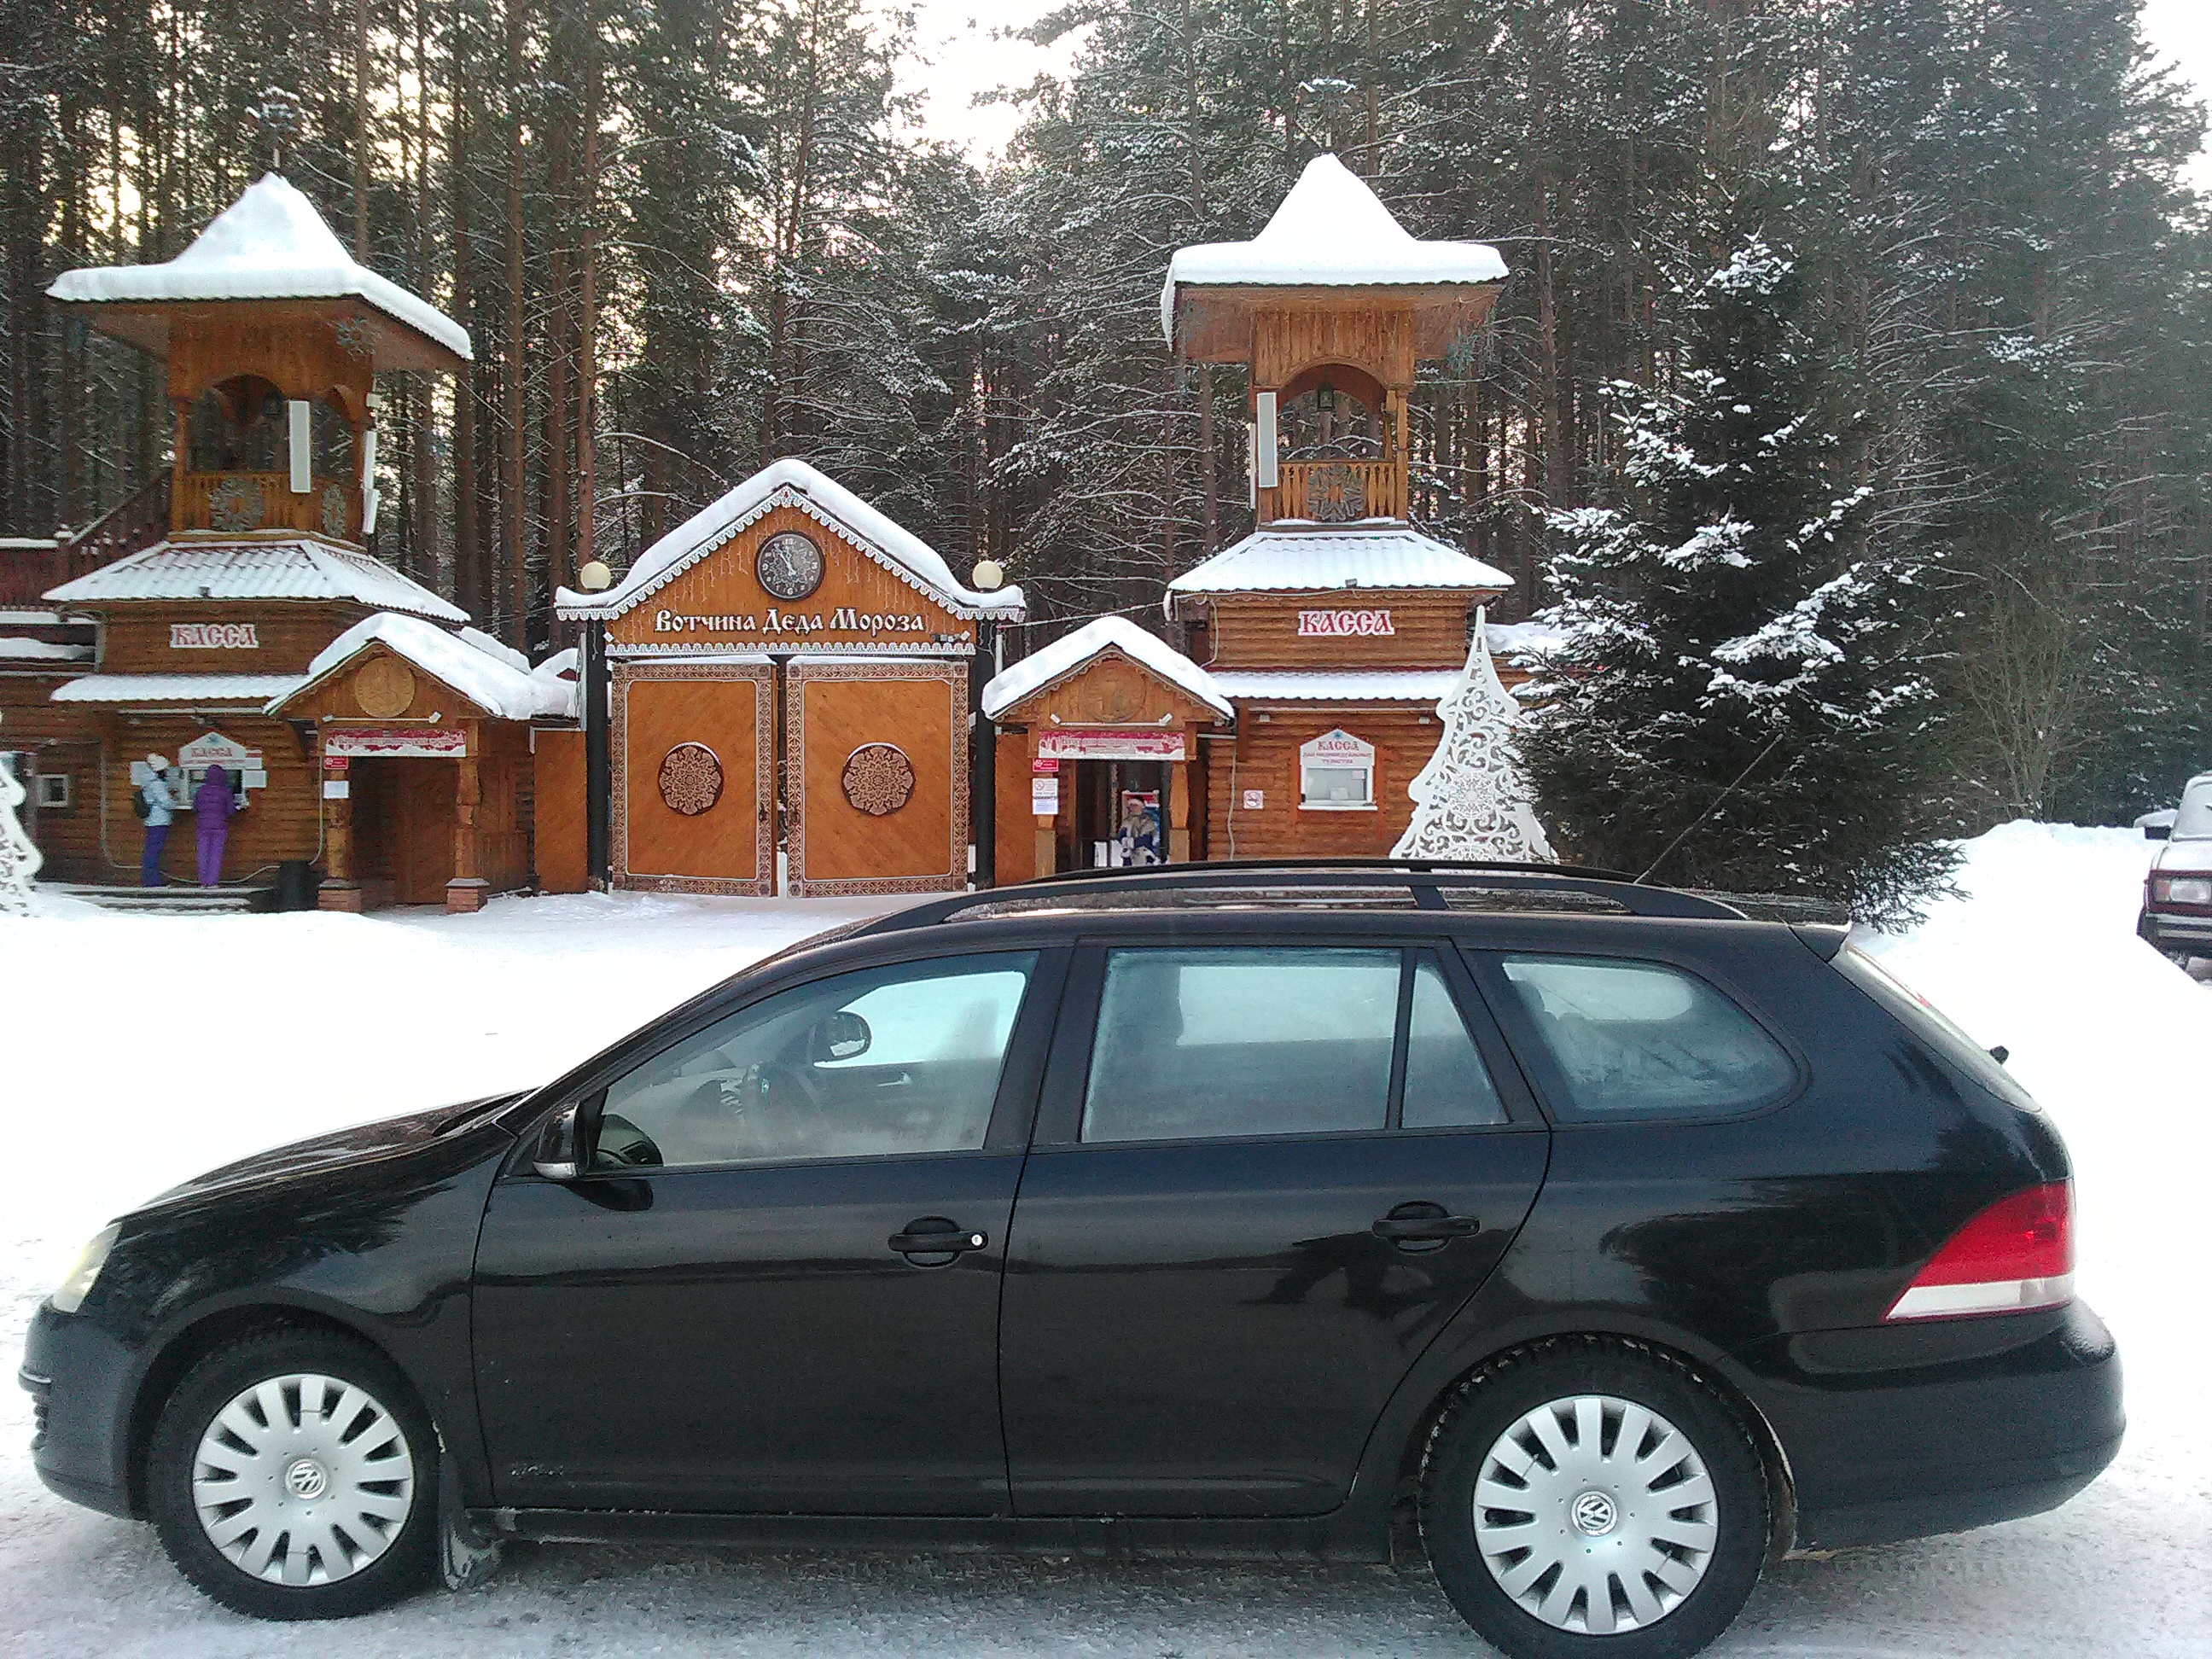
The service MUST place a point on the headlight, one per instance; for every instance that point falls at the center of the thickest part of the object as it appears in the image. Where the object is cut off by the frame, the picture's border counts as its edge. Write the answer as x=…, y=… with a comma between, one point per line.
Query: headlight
x=2186, y=889
x=90, y=1260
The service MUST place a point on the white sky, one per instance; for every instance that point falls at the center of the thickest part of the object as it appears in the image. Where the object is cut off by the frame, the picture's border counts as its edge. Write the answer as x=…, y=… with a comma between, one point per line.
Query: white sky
x=958, y=56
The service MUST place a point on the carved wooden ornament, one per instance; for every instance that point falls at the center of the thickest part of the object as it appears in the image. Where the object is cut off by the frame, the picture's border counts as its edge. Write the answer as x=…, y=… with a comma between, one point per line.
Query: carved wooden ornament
x=384, y=688
x=691, y=779
x=878, y=778
x=1335, y=494
x=235, y=504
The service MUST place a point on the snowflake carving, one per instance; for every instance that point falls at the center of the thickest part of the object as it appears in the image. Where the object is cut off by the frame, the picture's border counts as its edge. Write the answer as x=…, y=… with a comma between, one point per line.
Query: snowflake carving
x=878, y=778
x=691, y=779
x=1470, y=801
x=235, y=504
x=355, y=337
x=1335, y=493
x=19, y=858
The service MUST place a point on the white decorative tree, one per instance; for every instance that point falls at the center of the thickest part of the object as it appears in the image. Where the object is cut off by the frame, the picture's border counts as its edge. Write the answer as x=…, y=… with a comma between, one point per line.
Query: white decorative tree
x=1470, y=801
x=19, y=859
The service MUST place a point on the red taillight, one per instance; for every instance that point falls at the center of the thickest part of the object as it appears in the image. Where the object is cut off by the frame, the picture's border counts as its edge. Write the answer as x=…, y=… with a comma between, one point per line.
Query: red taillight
x=2016, y=1256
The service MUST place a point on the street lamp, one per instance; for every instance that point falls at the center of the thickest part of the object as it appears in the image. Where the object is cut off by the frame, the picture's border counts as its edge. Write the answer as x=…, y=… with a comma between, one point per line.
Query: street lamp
x=595, y=578
x=987, y=577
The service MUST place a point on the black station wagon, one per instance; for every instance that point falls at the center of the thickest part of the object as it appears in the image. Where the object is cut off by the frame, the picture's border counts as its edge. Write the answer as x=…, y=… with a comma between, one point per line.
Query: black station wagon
x=1607, y=1240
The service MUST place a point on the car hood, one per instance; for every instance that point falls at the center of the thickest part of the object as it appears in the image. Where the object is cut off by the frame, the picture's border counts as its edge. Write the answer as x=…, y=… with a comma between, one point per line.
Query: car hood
x=2194, y=853
x=363, y=1143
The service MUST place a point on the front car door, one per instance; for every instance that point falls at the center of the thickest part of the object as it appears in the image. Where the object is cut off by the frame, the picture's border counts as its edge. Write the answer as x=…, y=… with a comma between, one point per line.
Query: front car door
x=776, y=1287
x=1266, y=1173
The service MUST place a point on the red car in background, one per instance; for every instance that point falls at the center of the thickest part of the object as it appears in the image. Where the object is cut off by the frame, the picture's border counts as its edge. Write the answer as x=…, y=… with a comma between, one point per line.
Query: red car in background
x=2177, y=913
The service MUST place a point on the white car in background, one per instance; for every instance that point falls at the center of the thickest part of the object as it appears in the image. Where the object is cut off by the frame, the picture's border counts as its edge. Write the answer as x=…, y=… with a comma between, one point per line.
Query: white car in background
x=2177, y=913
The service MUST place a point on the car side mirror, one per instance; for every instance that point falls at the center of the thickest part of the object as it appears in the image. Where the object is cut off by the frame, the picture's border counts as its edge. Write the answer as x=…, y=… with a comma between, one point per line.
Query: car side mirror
x=843, y=1036
x=559, y=1155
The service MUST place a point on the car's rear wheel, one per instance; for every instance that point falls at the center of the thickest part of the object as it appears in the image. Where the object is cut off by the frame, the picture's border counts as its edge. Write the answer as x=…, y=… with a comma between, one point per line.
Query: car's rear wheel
x=295, y=1476
x=1585, y=1497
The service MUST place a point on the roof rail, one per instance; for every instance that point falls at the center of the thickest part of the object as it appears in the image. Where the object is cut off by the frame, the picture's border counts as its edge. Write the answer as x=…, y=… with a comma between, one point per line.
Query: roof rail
x=1417, y=875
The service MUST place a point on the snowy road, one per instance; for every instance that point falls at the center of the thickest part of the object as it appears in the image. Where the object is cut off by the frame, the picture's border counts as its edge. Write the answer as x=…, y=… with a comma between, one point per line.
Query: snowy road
x=378, y=1015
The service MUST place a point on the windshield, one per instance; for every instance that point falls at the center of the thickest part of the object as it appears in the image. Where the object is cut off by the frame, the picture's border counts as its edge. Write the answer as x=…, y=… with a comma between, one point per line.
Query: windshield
x=2194, y=821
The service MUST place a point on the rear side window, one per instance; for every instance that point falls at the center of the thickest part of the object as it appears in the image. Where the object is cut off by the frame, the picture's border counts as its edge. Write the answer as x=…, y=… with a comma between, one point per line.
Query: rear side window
x=1638, y=1039
x=1932, y=1026
x=1238, y=1042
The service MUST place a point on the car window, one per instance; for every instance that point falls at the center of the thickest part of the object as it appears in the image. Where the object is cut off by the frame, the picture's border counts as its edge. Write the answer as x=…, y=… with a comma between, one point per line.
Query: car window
x=1639, y=1038
x=1241, y=1042
x=900, y=1060
x=1934, y=1027
x=1447, y=1084
x=2192, y=819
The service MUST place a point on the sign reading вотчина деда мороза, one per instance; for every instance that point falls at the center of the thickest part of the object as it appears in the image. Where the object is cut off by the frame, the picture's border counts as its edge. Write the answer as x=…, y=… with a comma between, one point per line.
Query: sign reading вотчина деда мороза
x=797, y=624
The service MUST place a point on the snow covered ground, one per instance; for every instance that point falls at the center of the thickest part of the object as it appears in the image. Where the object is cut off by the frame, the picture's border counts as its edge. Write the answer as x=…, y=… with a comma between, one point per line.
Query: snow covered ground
x=129, y=1058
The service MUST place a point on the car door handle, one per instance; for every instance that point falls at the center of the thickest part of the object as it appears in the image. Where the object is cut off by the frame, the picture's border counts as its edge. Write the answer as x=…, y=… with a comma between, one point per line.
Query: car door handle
x=1424, y=1222
x=935, y=1236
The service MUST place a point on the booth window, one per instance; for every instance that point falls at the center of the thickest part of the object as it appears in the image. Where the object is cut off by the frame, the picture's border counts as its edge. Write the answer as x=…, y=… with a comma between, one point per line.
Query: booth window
x=53, y=791
x=1337, y=784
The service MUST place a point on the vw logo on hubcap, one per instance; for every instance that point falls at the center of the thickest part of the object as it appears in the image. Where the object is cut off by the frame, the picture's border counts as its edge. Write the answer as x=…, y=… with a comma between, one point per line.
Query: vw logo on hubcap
x=306, y=1479
x=1594, y=1514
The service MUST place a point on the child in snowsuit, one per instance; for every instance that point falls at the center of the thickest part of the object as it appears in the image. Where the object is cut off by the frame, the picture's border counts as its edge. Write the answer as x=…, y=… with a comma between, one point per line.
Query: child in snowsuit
x=212, y=806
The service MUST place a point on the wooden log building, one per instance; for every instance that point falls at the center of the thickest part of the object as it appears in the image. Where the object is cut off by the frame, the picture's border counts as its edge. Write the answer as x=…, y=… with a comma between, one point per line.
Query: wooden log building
x=1319, y=645
x=366, y=730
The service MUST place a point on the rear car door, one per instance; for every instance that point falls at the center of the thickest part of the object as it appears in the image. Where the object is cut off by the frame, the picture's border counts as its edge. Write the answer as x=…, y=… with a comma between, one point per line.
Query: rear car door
x=776, y=1288
x=1267, y=1172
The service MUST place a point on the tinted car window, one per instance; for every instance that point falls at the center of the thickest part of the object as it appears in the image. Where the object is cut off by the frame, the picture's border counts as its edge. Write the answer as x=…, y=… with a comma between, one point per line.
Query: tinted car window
x=901, y=1060
x=1447, y=1084
x=1932, y=1025
x=1258, y=1041
x=1632, y=1038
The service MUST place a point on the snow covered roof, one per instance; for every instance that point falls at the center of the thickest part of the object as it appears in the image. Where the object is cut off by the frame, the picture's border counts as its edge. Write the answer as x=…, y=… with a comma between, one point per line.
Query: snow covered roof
x=494, y=676
x=791, y=482
x=19, y=650
x=1331, y=231
x=1288, y=557
x=255, y=688
x=276, y=569
x=1427, y=685
x=269, y=244
x=1071, y=651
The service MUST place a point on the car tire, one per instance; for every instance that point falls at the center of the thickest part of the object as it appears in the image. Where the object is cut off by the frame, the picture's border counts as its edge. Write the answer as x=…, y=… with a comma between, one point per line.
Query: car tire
x=335, y=1468
x=1568, y=1520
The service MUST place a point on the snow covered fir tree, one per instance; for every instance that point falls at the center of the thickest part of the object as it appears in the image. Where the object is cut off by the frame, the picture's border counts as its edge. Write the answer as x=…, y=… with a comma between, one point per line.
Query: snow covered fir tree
x=1741, y=697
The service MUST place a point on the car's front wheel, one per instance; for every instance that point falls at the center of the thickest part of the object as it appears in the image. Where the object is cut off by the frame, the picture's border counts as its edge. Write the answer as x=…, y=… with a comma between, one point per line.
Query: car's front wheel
x=1585, y=1497
x=292, y=1475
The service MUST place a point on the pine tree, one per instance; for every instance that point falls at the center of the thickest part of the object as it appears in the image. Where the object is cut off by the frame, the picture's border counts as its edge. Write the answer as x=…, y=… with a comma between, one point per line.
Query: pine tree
x=1742, y=698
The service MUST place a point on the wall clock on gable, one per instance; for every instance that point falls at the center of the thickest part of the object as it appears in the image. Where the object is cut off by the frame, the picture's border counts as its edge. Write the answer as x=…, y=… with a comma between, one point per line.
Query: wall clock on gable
x=789, y=566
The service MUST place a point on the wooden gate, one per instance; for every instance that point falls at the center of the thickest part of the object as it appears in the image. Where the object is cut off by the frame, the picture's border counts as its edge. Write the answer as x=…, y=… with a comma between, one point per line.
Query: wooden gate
x=876, y=776
x=693, y=762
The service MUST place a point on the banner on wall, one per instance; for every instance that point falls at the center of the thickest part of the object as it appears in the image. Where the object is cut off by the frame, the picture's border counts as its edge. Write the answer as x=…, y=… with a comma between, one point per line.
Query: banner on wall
x=1112, y=745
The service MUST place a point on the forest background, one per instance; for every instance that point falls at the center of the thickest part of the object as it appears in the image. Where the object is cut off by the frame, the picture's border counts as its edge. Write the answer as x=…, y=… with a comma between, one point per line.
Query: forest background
x=689, y=236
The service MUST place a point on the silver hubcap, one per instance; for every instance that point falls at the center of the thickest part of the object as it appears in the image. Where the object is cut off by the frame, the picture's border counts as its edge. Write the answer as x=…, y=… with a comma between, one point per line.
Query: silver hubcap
x=303, y=1480
x=1594, y=1514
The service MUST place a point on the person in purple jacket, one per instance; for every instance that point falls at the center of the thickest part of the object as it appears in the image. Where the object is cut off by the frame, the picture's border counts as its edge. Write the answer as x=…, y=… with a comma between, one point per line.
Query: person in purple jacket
x=212, y=806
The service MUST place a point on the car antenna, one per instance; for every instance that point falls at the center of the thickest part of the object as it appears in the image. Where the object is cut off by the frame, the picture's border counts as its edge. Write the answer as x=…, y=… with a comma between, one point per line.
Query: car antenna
x=1708, y=812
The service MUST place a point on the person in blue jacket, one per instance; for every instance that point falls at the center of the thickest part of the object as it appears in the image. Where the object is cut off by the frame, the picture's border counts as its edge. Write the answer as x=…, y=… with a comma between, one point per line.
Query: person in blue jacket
x=161, y=806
